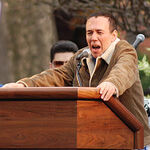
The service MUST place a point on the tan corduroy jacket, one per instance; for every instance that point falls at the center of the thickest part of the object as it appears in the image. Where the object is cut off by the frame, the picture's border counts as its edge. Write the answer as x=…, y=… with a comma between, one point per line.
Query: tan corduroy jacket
x=122, y=71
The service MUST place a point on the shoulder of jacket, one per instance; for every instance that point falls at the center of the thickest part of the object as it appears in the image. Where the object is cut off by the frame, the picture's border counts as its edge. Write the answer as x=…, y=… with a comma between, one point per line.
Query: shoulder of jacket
x=123, y=44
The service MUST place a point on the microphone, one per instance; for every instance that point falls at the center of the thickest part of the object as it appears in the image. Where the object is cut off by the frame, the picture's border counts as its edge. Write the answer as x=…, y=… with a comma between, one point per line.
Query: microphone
x=139, y=38
x=84, y=53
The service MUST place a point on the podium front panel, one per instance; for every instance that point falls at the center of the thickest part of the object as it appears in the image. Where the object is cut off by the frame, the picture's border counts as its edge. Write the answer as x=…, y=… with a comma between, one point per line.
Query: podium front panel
x=38, y=124
x=99, y=127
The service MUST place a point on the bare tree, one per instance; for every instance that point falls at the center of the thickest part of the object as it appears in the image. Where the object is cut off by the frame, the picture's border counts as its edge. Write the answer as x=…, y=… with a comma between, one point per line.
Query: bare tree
x=133, y=15
x=29, y=33
x=28, y=29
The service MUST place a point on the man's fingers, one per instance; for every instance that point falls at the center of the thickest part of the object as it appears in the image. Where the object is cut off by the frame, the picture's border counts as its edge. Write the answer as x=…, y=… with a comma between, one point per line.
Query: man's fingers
x=106, y=90
x=108, y=95
x=13, y=85
x=103, y=92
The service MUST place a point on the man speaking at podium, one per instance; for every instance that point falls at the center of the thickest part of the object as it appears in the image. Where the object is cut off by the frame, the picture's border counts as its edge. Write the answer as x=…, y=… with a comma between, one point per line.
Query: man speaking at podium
x=111, y=65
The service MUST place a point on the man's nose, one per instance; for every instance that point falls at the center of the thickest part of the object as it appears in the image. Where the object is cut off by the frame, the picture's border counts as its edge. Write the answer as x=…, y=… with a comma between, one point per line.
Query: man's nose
x=94, y=36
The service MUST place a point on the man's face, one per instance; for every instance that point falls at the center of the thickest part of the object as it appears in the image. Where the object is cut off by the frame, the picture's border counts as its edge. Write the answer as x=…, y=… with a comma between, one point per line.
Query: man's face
x=60, y=59
x=98, y=35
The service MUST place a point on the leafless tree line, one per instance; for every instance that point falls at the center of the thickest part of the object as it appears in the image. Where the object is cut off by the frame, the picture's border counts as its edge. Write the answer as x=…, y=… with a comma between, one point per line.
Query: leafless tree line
x=132, y=15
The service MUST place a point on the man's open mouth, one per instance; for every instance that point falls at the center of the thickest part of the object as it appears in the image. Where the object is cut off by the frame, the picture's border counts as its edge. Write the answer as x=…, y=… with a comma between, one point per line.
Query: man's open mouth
x=95, y=47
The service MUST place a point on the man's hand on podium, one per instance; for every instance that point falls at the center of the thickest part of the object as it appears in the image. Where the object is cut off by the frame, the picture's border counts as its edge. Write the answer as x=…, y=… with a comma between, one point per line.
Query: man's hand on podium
x=107, y=89
x=13, y=85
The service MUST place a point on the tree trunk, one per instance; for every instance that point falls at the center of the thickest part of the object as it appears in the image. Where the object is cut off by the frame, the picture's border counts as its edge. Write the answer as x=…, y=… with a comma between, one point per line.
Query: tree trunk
x=29, y=34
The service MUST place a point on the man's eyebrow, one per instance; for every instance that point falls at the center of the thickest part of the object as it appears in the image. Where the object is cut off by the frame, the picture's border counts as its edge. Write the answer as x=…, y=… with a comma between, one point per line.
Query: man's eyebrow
x=99, y=30
x=89, y=31
x=95, y=29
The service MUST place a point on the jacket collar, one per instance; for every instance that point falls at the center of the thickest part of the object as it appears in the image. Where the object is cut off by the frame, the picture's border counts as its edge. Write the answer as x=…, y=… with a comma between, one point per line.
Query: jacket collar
x=107, y=55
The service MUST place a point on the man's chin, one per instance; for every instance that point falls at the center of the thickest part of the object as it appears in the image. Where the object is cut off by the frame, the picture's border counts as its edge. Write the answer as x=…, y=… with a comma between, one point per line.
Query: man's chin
x=95, y=53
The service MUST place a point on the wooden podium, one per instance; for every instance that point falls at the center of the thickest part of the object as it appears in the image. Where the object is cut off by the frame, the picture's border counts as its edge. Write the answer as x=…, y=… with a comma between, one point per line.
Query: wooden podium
x=65, y=117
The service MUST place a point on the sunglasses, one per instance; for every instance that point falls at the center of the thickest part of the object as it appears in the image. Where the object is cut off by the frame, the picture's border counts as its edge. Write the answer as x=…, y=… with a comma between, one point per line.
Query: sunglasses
x=59, y=63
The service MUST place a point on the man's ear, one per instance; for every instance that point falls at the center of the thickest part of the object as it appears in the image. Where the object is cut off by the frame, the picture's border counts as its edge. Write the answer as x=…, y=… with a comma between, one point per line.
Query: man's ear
x=114, y=35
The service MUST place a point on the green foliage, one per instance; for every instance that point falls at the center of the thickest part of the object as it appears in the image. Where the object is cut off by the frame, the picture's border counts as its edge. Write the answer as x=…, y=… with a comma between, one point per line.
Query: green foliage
x=144, y=66
x=144, y=70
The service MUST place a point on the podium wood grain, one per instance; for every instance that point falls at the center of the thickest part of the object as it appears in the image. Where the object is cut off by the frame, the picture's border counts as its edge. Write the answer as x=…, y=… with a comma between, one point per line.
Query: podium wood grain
x=68, y=118
x=37, y=124
x=99, y=126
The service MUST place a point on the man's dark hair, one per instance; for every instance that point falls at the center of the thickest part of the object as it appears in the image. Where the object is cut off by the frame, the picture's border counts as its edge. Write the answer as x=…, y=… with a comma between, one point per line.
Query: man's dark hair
x=111, y=18
x=63, y=46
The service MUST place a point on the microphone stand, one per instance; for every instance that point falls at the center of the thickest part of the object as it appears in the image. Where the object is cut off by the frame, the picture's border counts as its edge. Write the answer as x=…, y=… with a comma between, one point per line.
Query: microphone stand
x=78, y=58
x=77, y=73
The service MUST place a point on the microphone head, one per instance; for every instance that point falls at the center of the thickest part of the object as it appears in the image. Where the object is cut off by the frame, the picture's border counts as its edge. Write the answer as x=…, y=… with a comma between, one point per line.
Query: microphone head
x=87, y=50
x=141, y=37
x=84, y=53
